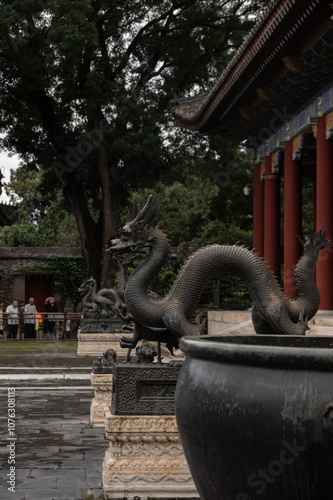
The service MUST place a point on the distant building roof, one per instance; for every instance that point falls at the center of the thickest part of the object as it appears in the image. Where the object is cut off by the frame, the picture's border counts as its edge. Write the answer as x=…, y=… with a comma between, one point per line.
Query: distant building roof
x=285, y=59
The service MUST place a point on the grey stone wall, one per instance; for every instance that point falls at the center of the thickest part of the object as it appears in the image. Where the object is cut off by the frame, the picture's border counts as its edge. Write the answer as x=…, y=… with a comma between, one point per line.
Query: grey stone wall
x=13, y=259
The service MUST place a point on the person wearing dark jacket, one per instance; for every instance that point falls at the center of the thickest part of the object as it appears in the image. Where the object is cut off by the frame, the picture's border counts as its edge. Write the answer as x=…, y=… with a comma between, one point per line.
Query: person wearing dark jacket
x=50, y=322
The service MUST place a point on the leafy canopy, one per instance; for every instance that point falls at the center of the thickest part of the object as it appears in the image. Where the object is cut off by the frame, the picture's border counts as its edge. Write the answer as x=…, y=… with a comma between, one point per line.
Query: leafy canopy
x=85, y=91
x=43, y=221
x=207, y=202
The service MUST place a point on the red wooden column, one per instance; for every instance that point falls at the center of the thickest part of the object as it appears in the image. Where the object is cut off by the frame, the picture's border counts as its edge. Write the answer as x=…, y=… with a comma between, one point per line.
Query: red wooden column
x=258, y=211
x=292, y=218
x=324, y=214
x=272, y=217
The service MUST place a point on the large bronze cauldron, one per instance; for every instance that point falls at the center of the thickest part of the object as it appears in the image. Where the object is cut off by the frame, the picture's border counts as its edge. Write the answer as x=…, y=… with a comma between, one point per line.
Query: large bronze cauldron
x=255, y=416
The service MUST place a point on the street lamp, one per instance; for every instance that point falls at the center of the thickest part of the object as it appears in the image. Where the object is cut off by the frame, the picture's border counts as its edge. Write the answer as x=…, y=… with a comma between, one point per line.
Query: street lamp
x=247, y=189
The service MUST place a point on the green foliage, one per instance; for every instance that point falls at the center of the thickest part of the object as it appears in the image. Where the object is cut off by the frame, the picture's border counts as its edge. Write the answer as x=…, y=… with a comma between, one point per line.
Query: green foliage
x=21, y=234
x=234, y=293
x=68, y=274
x=43, y=221
x=307, y=205
x=85, y=91
x=163, y=281
x=208, y=203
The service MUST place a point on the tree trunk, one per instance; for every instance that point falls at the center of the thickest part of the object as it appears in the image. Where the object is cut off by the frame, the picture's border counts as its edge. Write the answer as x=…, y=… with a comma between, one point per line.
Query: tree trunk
x=110, y=220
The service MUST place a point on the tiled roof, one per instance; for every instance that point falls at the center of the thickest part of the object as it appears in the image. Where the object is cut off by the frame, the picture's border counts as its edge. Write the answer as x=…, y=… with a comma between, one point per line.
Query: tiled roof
x=192, y=113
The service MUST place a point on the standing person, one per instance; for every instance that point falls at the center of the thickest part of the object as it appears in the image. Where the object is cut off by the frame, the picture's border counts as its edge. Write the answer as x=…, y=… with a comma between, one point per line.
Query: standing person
x=2, y=310
x=30, y=313
x=12, y=319
x=20, y=330
x=49, y=320
x=66, y=333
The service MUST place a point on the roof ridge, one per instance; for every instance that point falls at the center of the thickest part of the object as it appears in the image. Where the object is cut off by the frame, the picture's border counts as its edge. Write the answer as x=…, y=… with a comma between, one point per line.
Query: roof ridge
x=283, y=7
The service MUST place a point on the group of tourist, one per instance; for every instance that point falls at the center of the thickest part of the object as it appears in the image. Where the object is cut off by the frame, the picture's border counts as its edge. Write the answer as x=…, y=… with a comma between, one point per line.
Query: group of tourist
x=25, y=320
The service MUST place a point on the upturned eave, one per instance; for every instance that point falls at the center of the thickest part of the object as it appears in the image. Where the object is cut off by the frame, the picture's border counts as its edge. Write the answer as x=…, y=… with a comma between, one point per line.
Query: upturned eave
x=281, y=31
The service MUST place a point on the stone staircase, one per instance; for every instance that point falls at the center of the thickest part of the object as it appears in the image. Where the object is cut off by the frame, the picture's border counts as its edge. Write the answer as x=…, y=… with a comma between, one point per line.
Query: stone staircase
x=239, y=322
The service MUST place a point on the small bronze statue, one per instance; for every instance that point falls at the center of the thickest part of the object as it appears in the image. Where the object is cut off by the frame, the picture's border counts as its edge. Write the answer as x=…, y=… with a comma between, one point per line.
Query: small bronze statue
x=105, y=364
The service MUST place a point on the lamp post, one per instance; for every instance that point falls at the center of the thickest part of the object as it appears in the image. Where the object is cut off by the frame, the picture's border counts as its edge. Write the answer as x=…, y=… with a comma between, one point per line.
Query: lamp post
x=247, y=189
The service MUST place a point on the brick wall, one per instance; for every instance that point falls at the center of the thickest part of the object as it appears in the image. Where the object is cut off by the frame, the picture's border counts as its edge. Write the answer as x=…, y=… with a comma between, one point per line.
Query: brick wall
x=13, y=259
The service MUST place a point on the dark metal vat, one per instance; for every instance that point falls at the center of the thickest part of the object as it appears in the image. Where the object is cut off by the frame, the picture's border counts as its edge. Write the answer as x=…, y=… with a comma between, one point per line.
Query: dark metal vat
x=255, y=416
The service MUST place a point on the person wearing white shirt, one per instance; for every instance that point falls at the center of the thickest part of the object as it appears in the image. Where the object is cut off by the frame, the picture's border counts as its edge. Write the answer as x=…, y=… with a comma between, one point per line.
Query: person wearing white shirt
x=30, y=315
x=12, y=319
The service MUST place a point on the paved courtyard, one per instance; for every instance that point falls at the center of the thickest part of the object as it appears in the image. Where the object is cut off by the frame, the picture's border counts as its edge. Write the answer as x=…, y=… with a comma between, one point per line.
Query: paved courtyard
x=57, y=454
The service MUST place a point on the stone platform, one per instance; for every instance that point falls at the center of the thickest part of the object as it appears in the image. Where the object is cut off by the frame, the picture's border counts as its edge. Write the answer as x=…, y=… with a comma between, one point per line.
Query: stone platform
x=239, y=322
x=102, y=385
x=145, y=458
x=94, y=344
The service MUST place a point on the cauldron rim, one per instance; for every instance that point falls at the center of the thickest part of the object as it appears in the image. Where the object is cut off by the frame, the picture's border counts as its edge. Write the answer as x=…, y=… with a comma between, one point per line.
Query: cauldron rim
x=313, y=352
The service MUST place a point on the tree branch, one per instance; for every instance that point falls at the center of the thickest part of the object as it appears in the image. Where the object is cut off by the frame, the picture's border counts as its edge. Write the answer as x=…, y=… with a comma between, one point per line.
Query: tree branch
x=138, y=37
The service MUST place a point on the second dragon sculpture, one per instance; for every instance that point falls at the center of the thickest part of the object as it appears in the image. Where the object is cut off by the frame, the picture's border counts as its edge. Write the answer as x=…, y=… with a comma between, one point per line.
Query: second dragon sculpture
x=166, y=318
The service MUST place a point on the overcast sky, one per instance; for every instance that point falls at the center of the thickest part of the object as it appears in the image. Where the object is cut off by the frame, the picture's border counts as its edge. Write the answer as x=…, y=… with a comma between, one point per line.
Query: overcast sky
x=7, y=163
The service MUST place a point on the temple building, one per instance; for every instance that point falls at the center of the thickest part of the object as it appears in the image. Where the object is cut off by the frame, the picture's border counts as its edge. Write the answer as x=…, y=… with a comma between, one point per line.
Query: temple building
x=276, y=98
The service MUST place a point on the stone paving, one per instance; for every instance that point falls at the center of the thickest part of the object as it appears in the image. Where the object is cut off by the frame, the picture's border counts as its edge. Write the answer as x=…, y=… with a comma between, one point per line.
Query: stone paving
x=58, y=456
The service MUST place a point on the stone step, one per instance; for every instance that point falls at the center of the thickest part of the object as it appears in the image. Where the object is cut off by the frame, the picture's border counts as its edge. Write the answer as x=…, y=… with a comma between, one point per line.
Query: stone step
x=44, y=370
x=49, y=376
x=225, y=322
x=319, y=329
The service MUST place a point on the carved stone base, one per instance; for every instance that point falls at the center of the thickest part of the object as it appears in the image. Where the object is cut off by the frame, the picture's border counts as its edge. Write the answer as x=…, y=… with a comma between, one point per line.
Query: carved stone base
x=102, y=385
x=94, y=344
x=145, y=458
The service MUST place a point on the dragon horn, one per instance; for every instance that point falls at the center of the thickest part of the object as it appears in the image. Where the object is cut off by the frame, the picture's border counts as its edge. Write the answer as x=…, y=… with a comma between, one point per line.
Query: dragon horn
x=132, y=215
x=154, y=216
x=141, y=213
x=129, y=214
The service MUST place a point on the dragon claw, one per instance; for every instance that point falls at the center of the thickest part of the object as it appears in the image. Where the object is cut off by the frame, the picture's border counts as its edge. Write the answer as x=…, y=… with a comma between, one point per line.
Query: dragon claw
x=303, y=322
x=126, y=342
x=319, y=239
x=201, y=324
x=300, y=239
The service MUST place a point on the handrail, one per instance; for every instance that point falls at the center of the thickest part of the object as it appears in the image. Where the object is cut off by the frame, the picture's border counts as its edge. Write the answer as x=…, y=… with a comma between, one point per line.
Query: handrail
x=58, y=317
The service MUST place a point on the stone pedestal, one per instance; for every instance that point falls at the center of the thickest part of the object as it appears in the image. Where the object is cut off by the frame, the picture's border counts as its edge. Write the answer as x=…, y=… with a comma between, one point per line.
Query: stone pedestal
x=94, y=344
x=145, y=458
x=102, y=385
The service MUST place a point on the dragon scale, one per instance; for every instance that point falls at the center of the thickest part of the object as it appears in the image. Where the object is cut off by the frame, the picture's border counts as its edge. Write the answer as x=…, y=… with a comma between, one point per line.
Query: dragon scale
x=207, y=263
x=272, y=311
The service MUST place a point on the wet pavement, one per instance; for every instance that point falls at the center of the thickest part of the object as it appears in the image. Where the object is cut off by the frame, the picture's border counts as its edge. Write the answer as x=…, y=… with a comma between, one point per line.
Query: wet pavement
x=41, y=354
x=55, y=452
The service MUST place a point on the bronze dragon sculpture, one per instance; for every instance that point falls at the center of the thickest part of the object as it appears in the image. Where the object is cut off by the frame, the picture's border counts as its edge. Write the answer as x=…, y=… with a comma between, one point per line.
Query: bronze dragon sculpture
x=166, y=319
x=105, y=299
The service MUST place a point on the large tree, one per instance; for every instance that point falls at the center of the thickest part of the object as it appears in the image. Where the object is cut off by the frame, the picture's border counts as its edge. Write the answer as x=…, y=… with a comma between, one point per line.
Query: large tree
x=84, y=85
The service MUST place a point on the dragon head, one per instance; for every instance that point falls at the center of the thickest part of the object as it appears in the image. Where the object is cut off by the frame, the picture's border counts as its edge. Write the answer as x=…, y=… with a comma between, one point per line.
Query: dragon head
x=86, y=285
x=135, y=235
